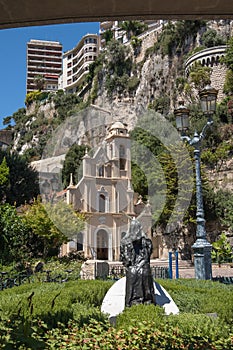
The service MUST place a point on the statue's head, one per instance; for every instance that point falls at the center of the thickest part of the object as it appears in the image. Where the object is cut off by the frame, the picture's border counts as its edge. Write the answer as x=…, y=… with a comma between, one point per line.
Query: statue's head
x=135, y=230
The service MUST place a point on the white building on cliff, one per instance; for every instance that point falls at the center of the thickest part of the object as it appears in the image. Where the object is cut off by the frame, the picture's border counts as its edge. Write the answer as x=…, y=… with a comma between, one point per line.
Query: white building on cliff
x=105, y=196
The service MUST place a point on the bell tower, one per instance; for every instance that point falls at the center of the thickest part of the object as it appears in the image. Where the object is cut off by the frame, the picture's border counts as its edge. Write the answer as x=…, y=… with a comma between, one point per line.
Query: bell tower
x=118, y=150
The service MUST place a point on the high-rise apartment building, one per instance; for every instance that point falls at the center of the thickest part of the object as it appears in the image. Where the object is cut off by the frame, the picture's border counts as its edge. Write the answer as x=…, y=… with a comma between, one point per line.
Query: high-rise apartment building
x=44, y=59
x=76, y=62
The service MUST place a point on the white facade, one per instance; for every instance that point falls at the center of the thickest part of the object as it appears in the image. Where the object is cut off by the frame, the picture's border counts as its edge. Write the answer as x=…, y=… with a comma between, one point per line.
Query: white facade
x=120, y=34
x=76, y=62
x=105, y=196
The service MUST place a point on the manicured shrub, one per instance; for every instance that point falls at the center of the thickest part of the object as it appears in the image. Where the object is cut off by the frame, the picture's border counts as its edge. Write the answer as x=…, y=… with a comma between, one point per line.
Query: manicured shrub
x=67, y=316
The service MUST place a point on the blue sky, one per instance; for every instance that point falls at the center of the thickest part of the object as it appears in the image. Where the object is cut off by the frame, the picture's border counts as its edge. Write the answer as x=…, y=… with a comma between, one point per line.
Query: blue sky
x=13, y=58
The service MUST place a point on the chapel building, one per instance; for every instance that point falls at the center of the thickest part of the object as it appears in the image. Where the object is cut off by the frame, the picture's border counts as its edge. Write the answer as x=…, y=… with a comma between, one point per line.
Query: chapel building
x=106, y=197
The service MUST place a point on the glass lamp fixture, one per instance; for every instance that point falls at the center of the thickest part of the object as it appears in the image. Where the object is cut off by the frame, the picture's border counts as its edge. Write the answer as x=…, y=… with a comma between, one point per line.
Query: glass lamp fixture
x=208, y=98
x=182, y=117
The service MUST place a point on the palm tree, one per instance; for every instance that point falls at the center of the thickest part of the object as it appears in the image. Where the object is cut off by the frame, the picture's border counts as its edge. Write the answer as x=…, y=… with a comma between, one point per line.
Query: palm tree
x=133, y=28
x=107, y=35
x=39, y=81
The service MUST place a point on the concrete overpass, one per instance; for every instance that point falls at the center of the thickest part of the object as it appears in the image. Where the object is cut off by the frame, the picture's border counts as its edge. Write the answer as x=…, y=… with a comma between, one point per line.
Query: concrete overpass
x=21, y=13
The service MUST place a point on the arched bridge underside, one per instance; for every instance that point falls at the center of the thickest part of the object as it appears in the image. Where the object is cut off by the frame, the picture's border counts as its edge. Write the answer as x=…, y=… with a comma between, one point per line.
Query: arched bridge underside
x=21, y=13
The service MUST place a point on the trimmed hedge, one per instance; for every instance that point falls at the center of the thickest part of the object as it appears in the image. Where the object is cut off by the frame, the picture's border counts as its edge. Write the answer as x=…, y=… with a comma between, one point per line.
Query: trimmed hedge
x=67, y=316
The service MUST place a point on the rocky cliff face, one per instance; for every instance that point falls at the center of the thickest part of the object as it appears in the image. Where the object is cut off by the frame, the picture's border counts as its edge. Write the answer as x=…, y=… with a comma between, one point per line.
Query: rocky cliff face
x=158, y=81
x=157, y=75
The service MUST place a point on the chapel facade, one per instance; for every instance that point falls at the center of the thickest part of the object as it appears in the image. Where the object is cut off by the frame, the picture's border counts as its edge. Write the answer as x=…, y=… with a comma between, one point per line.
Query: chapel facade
x=106, y=197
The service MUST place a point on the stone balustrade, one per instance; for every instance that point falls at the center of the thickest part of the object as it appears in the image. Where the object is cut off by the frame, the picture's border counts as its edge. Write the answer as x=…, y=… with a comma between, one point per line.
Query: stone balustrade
x=207, y=57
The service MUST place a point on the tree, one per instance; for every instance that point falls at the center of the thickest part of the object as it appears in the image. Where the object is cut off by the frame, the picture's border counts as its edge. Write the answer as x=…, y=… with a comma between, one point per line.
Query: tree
x=158, y=173
x=117, y=59
x=139, y=180
x=108, y=35
x=7, y=120
x=23, y=183
x=200, y=76
x=72, y=163
x=65, y=219
x=52, y=224
x=19, y=116
x=136, y=44
x=4, y=178
x=211, y=38
x=36, y=217
x=224, y=207
x=222, y=250
x=15, y=236
x=228, y=84
x=133, y=28
x=39, y=81
x=228, y=58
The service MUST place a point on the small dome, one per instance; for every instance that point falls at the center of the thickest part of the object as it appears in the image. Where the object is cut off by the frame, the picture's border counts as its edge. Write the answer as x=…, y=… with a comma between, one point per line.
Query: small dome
x=118, y=125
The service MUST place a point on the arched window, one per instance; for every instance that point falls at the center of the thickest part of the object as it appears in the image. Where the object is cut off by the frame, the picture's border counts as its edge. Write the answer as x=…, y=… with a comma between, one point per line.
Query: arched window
x=122, y=157
x=102, y=200
x=102, y=244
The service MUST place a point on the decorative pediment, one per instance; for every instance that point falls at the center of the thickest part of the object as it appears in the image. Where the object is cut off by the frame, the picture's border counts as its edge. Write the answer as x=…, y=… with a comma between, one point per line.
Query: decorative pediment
x=101, y=157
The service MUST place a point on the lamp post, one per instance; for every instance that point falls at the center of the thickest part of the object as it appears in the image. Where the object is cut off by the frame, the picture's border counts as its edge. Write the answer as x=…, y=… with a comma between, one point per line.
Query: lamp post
x=202, y=248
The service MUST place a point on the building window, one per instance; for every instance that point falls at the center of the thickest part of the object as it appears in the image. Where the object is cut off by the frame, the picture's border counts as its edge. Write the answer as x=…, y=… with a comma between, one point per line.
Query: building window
x=122, y=151
x=108, y=171
x=101, y=171
x=102, y=244
x=122, y=157
x=102, y=200
x=80, y=241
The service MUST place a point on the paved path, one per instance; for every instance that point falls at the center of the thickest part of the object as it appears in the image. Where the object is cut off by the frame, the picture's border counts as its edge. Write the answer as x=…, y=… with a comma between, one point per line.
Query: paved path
x=186, y=268
x=189, y=272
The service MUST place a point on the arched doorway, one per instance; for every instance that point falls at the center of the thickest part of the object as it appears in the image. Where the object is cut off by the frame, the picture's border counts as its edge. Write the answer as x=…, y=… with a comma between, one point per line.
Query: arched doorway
x=102, y=245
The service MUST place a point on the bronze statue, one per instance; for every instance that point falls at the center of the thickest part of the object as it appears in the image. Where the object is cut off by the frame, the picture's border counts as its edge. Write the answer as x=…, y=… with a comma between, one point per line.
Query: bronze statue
x=135, y=252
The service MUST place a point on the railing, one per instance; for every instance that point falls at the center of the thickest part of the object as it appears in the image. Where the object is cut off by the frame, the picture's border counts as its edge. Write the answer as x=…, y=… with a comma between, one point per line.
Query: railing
x=160, y=272
x=223, y=279
x=118, y=271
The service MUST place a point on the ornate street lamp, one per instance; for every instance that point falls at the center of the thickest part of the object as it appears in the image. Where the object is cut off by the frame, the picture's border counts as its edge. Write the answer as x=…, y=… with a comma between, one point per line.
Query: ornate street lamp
x=202, y=248
x=182, y=118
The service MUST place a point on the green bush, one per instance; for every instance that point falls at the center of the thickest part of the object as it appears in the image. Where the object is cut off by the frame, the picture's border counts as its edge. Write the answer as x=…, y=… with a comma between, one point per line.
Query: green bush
x=52, y=299
x=67, y=316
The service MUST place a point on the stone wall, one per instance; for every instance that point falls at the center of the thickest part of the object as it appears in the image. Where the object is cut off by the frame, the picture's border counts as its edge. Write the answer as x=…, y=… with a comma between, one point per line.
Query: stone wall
x=222, y=179
x=218, y=78
x=211, y=58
